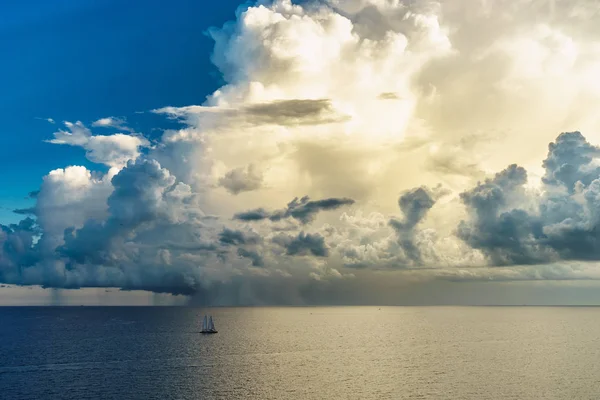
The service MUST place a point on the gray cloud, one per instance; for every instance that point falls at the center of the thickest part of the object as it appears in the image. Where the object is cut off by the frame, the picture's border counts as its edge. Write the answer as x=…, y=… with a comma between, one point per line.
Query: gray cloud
x=514, y=226
x=253, y=215
x=16, y=242
x=294, y=112
x=237, y=237
x=241, y=179
x=303, y=210
x=303, y=244
x=414, y=204
x=139, y=196
x=25, y=211
x=507, y=235
x=570, y=161
x=388, y=96
x=257, y=259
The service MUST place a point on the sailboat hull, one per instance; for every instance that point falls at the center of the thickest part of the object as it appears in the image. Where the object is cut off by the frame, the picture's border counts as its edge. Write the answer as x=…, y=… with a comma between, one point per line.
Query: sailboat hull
x=208, y=332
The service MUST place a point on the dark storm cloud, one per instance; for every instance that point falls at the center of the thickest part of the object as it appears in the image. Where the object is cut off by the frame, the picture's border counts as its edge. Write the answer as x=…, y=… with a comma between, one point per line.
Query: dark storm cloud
x=505, y=234
x=236, y=237
x=253, y=215
x=257, y=260
x=16, y=242
x=194, y=247
x=414, y=204
x=513, y=226
x=303, y=210
x=138, y=198
x=303, y=244
x=152, y=238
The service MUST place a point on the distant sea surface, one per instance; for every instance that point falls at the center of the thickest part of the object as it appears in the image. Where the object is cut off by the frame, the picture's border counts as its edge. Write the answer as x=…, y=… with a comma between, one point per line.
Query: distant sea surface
x=479, y=353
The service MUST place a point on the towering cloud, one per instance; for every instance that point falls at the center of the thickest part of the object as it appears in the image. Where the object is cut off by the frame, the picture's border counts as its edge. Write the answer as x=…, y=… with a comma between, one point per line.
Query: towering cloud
x=414, y=205
x=515, y=226
x=414, y=130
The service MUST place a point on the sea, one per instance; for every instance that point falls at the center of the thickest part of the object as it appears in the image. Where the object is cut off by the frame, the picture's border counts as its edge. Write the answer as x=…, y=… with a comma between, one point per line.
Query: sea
x=78, y=353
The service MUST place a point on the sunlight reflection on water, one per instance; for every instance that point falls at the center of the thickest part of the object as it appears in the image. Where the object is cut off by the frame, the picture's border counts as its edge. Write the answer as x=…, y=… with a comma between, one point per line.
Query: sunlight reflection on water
x=303, y=353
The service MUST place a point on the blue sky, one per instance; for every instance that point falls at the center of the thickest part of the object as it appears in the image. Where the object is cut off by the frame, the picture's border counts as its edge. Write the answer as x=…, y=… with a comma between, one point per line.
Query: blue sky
x=84, y=60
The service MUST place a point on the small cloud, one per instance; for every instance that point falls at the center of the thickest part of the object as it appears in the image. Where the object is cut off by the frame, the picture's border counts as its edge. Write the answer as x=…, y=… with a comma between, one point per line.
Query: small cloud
x=49, y=120
x=302, y=245
x=113, y=150
x=112, y=122
x=295, y=112
x=257, y=260
x=25, y=211
x=241, y=179
x=388, y=96
x=236, y=237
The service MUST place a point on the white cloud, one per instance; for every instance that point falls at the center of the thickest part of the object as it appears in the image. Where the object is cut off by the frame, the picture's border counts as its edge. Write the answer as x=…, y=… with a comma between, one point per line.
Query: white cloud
x=112, y=150
x=112, y=122
x=358, y=99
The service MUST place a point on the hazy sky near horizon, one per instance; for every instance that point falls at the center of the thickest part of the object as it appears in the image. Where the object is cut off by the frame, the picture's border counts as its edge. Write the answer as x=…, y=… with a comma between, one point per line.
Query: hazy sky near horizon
x=314, y=152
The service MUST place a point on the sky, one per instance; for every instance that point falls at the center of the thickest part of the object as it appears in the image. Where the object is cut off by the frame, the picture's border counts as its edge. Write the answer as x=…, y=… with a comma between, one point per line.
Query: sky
x=70, y=60
x=300, y=153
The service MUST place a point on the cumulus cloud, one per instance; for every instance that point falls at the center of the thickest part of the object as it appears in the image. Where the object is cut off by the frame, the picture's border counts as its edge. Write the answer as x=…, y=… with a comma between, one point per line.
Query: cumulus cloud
x=365, y=106
x=512, y=225
x=17, y=241
x=236, y=237
x=257, y=259
x=241, y=179
x=414, y=205
x=303, y=244
x=112, y=150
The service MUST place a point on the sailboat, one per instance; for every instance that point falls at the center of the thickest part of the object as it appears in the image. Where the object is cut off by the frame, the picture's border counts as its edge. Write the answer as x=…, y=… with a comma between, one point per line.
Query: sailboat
x=208, y=325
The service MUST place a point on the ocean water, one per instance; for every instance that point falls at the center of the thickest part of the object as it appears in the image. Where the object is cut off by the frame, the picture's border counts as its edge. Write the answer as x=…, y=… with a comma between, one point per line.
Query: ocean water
x=80, y=353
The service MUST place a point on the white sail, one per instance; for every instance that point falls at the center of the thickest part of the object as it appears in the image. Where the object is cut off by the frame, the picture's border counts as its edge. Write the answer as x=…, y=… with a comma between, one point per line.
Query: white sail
x=204, y=323
x=211, y=325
